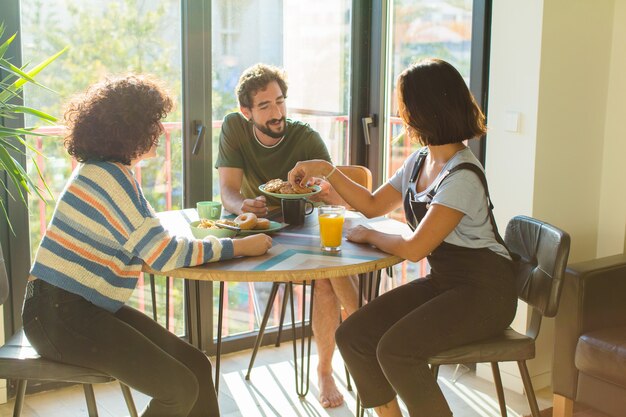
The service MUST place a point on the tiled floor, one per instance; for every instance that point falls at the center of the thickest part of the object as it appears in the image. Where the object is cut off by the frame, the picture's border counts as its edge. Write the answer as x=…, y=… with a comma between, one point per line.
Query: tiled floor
x=271, y=393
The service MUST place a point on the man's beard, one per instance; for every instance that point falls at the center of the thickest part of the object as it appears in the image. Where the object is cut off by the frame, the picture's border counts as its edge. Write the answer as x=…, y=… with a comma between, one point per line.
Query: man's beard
x=265, y=129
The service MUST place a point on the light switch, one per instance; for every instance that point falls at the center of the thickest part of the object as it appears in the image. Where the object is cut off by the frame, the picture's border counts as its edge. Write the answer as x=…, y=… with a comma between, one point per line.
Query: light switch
x=511, y=121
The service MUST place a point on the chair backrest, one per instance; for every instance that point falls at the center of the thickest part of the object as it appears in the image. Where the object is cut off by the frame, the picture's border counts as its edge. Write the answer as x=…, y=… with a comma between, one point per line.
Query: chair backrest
x=4, y=279
x=357, y=173
x=543, y=251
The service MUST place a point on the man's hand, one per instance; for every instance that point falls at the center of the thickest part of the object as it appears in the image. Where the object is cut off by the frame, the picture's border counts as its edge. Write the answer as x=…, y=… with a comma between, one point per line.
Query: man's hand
x=257, y=206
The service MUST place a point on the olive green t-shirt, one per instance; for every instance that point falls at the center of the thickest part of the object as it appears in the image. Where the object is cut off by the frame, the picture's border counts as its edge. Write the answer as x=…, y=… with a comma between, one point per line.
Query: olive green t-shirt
x=240, y=149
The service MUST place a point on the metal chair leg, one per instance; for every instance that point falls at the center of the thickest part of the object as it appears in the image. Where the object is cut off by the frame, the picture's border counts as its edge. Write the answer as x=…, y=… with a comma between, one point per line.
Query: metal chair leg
x=153, y=296
x=498, y=381
x=90, y=397
x=302, y=377
x=218, y=353
x=128, y=397
x=435, y=370
x=360, y=411
x=266, y=316
x=19, y=399
x=348, y=379
x=168, y=282
x=283, y=309
x=528, y=386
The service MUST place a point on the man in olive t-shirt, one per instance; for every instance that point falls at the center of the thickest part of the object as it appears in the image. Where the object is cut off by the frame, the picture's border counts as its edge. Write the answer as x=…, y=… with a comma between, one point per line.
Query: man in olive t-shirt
x=241, y=148
x=260, y=144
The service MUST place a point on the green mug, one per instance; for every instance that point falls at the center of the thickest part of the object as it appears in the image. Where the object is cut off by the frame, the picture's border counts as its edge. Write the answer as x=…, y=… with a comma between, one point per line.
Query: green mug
x=210, y=210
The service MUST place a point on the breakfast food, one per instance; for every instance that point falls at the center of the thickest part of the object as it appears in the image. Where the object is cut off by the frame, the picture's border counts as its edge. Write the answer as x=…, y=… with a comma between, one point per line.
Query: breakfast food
x=283, y=187
x=213, y=224
x=246, y=221
x=262, y=224
x=273, y=186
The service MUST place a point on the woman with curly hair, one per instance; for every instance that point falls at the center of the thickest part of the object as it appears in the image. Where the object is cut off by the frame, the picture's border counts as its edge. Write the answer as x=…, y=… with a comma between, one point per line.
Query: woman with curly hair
x=101, y=233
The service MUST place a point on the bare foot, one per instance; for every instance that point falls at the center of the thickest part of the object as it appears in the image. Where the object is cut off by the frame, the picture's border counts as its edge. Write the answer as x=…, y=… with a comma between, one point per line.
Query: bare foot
x=330, y=396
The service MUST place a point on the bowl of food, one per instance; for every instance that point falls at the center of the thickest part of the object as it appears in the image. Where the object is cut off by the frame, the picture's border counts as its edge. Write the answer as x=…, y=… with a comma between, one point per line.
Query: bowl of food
x=205, y=227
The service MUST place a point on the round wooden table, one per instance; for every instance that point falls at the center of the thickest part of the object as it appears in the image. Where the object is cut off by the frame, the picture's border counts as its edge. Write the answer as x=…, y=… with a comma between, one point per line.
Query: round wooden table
x=294, y=257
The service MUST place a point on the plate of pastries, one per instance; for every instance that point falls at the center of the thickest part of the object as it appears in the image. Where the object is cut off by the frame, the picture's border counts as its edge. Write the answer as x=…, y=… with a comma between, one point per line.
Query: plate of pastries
x=283, y=189
x=249, y=223
x=244, y=224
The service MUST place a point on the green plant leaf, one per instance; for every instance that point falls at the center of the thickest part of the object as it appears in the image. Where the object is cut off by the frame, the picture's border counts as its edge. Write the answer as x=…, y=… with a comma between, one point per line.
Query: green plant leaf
x=10, y=132
x=33, y=112
x=43, y=180
x=6, y=65
x=19, y=83
x=9, y=144
x=5, y=45
x=32, y=186
x=12, y=168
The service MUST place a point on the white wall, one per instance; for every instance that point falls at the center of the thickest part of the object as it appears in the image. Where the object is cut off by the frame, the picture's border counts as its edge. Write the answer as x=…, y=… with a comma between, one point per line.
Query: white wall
x=560, y=64
x=612, y=223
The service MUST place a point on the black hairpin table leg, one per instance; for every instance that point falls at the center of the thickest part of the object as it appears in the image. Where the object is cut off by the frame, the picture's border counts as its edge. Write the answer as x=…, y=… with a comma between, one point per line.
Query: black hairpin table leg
x=302, y=377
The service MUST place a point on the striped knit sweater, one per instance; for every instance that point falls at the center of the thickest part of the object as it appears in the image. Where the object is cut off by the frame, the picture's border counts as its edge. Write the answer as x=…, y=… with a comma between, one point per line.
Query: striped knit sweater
x=103, y=230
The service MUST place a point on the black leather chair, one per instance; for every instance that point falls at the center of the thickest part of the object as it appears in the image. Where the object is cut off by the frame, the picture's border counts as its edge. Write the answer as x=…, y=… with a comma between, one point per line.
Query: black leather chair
x=19, y=361
x=590, y=338
x=544, y=250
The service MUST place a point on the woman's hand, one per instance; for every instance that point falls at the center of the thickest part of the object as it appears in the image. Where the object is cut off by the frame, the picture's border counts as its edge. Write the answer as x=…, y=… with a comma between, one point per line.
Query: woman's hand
x=253, y=245
x=359, y=234
x=304, y=171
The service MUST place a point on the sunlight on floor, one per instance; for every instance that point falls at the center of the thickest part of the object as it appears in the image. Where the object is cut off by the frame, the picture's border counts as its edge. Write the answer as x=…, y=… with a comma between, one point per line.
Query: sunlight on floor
x=271, y=392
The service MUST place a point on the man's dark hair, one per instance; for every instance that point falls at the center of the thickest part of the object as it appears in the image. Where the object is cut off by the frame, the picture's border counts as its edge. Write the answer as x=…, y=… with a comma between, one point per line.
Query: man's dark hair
x=436, y=106
x=255, y=79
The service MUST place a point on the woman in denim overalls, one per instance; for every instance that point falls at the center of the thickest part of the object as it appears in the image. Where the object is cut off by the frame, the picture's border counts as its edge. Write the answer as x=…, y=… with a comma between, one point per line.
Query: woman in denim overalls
x=469, y=293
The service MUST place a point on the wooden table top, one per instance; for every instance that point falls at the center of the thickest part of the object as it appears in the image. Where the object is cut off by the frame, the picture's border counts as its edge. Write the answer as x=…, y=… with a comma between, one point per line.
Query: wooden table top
x=294, y=256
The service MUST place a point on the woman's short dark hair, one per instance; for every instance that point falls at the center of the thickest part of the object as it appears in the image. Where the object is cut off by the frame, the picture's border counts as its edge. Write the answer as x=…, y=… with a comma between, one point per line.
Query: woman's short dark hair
x=117, y=119
x=436, y=105
x=256, y=78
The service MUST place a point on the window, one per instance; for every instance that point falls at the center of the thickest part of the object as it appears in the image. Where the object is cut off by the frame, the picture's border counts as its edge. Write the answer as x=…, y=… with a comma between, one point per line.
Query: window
x=311, y=41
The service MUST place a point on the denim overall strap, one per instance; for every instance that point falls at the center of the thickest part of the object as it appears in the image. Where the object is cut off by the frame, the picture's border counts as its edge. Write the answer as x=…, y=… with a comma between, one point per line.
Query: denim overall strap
x=414, y=211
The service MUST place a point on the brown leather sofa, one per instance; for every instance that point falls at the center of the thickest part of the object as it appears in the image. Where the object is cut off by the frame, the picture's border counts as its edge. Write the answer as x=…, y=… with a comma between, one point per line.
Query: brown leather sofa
x=590, y=338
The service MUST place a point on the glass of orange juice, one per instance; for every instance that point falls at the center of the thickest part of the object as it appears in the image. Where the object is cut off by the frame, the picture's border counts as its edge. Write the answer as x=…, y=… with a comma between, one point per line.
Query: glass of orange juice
x=331, y=227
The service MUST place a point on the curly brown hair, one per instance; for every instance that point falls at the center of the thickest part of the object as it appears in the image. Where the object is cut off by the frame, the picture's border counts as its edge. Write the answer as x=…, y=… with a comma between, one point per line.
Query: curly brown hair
x=116, y=119
x=256, y=78
x=436, y=106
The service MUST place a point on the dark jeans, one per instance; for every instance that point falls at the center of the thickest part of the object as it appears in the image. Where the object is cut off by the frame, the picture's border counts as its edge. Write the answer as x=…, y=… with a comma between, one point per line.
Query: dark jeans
x=127, y=345
x=386, y=343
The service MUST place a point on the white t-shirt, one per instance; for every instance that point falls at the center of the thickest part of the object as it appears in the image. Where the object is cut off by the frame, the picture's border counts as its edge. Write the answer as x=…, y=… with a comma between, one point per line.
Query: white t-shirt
x=463, y=191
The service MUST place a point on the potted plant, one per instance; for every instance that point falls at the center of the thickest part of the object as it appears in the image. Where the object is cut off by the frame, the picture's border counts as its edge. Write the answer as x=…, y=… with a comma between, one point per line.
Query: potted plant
x=11, y=139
